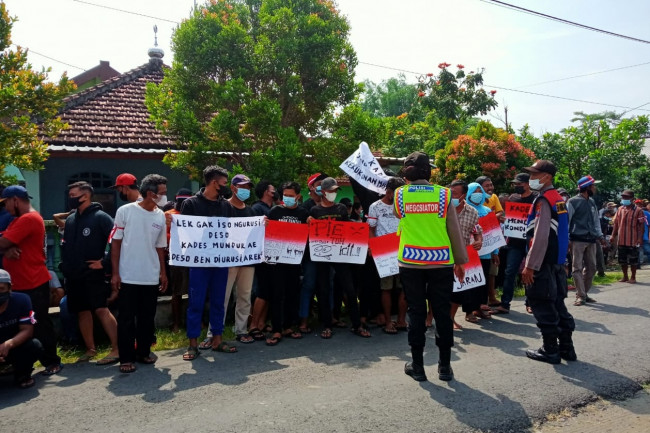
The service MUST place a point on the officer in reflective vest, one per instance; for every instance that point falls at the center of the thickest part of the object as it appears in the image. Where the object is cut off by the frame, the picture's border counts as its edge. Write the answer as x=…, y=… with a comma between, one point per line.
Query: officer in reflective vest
x=544, y=274
x=431, y=251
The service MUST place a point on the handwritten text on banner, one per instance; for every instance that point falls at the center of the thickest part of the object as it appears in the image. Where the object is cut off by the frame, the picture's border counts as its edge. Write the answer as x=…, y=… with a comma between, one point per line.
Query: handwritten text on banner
x=384, y=252
x=285, y=242
x=338, y=241
x=516, y=218
x=363, y=167
x=492, y=235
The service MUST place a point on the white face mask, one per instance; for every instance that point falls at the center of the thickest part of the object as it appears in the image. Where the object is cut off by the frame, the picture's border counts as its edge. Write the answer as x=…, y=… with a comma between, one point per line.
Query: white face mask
x=330, y=196
x=161, y=200
x=535, y=184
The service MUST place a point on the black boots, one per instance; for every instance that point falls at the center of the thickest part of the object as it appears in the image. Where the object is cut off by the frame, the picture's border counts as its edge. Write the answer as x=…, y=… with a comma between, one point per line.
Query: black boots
x=444, y=365
x=567, y=352
x=416, y=371
x=549, y=352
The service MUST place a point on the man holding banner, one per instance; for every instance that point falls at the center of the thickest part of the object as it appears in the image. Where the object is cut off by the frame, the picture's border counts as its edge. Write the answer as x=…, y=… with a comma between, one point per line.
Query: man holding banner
x=431, y=251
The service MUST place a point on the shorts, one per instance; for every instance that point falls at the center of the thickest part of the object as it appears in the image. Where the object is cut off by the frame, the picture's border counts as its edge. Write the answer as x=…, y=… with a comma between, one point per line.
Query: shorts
x=390, y=283
x=179, y=280
x=628, y=255
x=87, y=295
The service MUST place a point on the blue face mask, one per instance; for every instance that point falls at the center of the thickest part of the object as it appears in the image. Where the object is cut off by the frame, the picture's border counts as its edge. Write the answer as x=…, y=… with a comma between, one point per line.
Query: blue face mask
x=289, y=201
x=318, y=191
x=476, y=198
x=626, y=202
x=243, y=194
x=455, y=201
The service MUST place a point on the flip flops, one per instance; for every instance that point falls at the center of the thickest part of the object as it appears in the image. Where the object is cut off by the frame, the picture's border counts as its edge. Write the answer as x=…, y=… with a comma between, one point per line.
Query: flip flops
x=206, y=344
x=224, y=348
x=191, y=353
x=108, y=360
x=127, y=367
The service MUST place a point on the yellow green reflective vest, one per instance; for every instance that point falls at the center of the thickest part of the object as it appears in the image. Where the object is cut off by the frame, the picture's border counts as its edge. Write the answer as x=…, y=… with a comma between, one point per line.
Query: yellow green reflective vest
x=423, y=225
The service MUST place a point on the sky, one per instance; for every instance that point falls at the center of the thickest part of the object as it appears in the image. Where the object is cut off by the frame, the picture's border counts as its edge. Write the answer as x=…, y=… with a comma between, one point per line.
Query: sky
x=517, y=51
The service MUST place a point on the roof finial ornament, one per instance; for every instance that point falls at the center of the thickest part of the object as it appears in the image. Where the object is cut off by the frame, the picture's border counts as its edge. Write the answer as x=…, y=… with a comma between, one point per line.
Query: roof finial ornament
x=156, y=53
x=155, y=35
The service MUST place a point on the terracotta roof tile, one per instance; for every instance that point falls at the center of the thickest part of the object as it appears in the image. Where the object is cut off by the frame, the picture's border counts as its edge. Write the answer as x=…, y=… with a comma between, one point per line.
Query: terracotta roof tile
x=113, y=113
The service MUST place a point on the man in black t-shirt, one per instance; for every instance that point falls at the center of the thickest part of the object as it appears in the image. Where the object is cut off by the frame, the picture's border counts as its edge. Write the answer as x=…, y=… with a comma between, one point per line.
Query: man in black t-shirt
x=516, y=248
x=17, y=347
x=328, y=209
x=286, y=277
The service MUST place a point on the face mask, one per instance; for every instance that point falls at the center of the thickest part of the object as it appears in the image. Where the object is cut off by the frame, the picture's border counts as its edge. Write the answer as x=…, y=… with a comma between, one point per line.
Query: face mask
x=455, y=201
x=161, y=200
x=289, y=201
x=243, y=194
x=607, y=219
x=626, y=202
x=535, y=184
x=318, y=191
x=519, y=190
x=590, y=193
x=4, y=297
x=276, y=196
x=330, y=196
x=476, y=198
x=73, y=202
x=123, y=197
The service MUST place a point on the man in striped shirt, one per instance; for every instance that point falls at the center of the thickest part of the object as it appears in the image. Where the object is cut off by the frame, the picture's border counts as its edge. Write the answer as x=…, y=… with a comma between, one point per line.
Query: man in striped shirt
x=628, y=231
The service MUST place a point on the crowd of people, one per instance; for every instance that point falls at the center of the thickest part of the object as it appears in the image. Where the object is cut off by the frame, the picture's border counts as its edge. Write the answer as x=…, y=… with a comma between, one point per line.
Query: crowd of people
x=123, y=263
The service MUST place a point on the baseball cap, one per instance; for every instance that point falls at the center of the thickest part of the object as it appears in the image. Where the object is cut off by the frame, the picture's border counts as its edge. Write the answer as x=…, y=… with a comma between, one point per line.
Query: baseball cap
x=315, y=178
x=346, y=201
x=586, y=181
x=183, y=193
x=125, y=179
x=5, y=277
x=521, y=178
x=562, y=191
x=626, y=193
x=241, y=179
x=611, y=204
x=542, y=166
x=417, y=159
x=14, y=191
x=329, y=184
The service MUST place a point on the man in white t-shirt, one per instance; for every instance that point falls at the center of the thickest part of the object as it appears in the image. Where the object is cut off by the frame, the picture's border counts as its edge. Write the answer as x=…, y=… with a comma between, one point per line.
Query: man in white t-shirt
x=382, y=221
x=138, y=259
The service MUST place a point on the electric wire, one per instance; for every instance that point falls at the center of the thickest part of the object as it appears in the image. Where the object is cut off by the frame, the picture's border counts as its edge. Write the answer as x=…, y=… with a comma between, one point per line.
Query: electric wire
x=126, y=12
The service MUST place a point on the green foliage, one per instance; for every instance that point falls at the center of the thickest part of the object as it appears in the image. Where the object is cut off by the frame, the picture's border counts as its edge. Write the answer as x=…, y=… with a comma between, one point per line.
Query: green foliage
x=609, y=149
x=486, y=151
x=390, y=98
x=255, y=78
x=28, y=105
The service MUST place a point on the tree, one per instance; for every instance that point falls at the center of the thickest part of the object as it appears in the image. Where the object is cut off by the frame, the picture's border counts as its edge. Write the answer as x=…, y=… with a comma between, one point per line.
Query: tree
x=259, y=79
x=486, y=151
x=28, y=105
x=390, y=98
x=610, y=151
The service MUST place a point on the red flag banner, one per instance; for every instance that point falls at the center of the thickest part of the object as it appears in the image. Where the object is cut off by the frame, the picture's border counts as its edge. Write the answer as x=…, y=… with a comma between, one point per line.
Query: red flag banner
x=474, y=276
x=516, y=218
x=384, y=253
x=338, y=241
x=492, y=235
x=285, y=242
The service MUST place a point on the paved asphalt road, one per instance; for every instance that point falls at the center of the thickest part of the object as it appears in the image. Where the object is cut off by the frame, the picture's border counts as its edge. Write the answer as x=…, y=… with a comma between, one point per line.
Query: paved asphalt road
x=352, y=384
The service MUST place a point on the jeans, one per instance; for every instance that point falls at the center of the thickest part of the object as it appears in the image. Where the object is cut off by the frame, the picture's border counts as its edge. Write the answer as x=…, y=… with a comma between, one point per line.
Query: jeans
x=69, y=321
x=584, y=266
x=308, y=287
x=44, y=328
x=514, y=258
x=646, y=252
x=135, y=322
x=243, y=277
x=202, y=282
x=436, y=286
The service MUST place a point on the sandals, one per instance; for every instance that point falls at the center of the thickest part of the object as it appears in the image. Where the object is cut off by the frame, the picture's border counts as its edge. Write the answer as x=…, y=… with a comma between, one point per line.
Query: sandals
x=361, y=332
x=484, y=315
x=86, y=356
x=206, y=344
x=273, y=340
x=245, y=338
x=127, y=367
x=151, y=359
x=392, y=330
x=295, y=335
x=326, y=334
x=305, y=330
x=191, y=353
x=578, y=302
x=224, y=348
x=25, y=382
x=256, y=334
x=339, y=324
x=471, y=318
x=108, y=360
x=52, y=369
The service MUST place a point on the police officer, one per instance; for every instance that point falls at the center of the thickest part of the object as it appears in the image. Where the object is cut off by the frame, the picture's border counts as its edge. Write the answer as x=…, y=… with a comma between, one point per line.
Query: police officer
x=431, y=251
x=544, y=274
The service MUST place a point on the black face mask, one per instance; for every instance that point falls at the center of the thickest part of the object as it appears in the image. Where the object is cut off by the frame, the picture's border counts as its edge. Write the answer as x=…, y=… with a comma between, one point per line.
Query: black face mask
x=519, y=190
x=276, y=196
x=4, y=297
x=124, y=197
x=590, y=193
x=73, y=202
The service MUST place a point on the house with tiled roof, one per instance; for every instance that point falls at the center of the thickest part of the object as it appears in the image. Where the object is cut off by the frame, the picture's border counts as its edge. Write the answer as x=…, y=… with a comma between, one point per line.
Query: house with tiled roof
x=109, y=133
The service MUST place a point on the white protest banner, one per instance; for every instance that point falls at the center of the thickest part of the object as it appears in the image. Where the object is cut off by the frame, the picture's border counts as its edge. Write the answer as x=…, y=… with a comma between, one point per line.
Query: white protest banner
x=492, y=234
x=384, y=251
x=516, y=219
x=363, y=167
x=215, y=241
x=285, y=242
x=338, y=241
x=474, y=276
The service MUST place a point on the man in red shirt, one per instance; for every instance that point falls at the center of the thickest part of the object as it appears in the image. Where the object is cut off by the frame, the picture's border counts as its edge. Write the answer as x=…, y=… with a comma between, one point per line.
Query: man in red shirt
x=23, y=244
